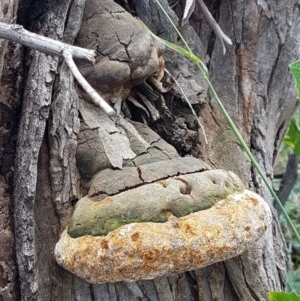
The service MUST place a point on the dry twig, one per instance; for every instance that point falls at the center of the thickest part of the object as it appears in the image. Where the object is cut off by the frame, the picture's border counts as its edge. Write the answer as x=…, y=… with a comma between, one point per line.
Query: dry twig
x=17, y=33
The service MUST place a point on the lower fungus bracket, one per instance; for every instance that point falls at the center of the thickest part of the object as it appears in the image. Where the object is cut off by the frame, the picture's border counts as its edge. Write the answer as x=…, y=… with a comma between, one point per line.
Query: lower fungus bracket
x=143, y=248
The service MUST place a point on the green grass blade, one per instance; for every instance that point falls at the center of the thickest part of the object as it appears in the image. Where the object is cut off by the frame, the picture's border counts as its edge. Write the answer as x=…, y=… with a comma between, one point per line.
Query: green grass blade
x=187, y=53
x=202, y=66
x=179, y=49
x=296, y=74
x=252, y=159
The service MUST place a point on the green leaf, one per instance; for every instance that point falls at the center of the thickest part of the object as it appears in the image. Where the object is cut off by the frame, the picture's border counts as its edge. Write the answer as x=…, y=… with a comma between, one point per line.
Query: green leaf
x=292, y=138
x=295, y=70
x=282, y=296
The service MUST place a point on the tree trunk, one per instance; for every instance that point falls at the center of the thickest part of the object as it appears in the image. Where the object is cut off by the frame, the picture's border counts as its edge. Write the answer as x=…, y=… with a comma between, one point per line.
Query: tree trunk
x=39, y=181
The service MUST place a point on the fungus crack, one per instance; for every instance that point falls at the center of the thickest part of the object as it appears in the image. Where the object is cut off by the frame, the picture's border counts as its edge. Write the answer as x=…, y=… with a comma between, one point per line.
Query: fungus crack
x=126, y=45
x=140, y=174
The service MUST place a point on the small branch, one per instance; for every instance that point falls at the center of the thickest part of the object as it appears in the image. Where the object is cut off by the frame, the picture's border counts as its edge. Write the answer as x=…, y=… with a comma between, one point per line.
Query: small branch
x=46, y=45
x=215, y=26
x=95, y=97
x=17, y=33
x=188, y=10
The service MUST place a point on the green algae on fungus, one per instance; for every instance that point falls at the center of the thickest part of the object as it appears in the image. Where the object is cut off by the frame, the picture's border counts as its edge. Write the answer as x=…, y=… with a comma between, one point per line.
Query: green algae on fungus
x=155, y=202
x=131, y=252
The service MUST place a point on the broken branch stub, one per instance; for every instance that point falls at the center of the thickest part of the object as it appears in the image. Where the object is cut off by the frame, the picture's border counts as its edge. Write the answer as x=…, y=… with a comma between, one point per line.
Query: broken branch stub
x=149, y=231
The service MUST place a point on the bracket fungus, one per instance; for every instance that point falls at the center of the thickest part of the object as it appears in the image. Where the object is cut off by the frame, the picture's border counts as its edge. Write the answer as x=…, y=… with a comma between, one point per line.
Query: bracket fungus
x=162, y=228
x=148, y=212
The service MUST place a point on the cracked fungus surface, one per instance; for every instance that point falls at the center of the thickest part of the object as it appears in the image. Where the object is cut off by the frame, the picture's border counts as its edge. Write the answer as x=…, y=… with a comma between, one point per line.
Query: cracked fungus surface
x=148, y=250
x=127, y=53
x=154, y=202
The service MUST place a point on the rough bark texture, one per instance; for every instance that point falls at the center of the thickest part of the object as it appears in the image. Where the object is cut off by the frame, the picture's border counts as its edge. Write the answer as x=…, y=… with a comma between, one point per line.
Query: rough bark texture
x=289, y=177
x=10, y=95
x=254, y=83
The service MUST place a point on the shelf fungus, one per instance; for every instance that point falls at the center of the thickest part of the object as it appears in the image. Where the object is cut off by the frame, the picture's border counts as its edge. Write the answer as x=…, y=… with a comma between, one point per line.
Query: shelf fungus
x=162, y=228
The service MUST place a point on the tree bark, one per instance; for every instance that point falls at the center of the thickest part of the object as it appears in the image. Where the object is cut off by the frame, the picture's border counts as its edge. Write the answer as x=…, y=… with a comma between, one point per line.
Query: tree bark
x=39, y=181
x=10, y=100
x=289, y=178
